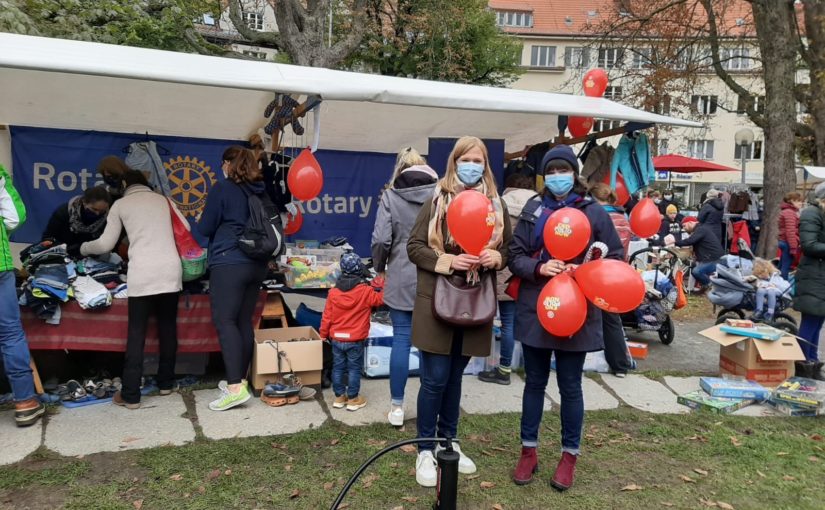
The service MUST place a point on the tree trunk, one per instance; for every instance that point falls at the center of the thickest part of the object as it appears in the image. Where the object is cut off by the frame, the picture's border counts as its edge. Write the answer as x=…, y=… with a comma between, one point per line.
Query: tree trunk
x=776, y=31
x=815, y=32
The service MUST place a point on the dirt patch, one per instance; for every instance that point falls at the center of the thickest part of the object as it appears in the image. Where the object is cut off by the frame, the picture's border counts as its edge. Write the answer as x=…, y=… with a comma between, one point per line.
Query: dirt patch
x=34, y=498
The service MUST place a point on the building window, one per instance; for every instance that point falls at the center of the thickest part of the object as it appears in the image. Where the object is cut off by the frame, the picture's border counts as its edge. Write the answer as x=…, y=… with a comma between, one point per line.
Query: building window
x=253, y=20
x=514, y=19
x=641, y=58
x=576, y=57
x=543, y=56
x=606, y=125
x=661, y=147
x=700, y=149
x=208, y=20
x=753, y=151
x=735, y=59
x=704, y=105
x=663, y=106
x=610, y=57
x=758, y=105
x=260, y=55
x=613, y=93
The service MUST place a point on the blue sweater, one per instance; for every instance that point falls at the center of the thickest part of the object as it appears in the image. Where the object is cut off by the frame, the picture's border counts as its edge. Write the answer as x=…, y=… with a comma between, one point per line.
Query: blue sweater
x=223, y=220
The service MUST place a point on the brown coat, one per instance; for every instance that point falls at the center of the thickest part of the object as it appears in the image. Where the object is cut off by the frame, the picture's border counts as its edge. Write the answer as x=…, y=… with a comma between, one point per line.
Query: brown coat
x=428, y=333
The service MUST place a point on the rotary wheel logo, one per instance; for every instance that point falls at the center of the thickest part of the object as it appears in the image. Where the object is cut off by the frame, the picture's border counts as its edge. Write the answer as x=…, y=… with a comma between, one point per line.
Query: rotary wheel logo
x=189, y=183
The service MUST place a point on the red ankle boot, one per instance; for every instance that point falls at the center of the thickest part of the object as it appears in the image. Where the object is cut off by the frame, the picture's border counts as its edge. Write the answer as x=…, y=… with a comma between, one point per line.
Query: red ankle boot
x=528, y=464
x=565, y=472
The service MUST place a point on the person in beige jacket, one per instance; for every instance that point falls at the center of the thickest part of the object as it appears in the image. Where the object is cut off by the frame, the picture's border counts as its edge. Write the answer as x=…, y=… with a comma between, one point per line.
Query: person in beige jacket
x=154, y=279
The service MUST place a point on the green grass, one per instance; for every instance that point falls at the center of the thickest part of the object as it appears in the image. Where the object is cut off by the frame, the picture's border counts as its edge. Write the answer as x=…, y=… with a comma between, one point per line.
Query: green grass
x=779, y=463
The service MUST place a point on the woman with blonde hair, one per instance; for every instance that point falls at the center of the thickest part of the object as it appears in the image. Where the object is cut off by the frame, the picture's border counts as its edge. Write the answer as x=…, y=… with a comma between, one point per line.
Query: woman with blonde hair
x=445, y=347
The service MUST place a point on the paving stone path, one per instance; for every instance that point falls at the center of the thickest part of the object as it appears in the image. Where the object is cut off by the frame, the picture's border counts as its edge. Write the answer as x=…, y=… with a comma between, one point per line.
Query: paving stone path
x=166, y=420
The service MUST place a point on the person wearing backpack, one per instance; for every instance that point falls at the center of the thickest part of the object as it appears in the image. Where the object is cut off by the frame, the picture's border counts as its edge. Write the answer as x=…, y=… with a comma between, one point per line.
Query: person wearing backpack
x=235, y=277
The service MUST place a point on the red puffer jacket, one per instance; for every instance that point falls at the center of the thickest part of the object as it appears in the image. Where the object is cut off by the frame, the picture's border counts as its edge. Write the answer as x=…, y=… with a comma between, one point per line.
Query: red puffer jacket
x=789, y=226
x=346, y=316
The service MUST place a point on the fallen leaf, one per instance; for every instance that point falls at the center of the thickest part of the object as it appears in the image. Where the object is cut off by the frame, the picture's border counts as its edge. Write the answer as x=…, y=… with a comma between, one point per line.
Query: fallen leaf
x=781, y=454
x=734, y=441
x=288, y=467
x=328, y=486
x=411, y=472
x=760, y=473
x=632, y=487
x=227, y=472
x=497, y=507
x=687, y=479
x=201, y=489
x=213, y=474
x=701, y=471
x=500, y=449
x=726, y=506
x=813, y=458
x=138, y=504
x=667, y=503
x=394, y=465
x=708, y=502
x=130, y=439
x=343, y=506
x=295, y=493
x=375, y=442
x=410, y=499
x=399, y=507
x=816, y=437
x=334, y=442
x=329, y=465
x=176, y=477
x=408, y=448
x=278, y=446
x=473, y=477
x=487, y=485
x=788, y=478
x=369, y=479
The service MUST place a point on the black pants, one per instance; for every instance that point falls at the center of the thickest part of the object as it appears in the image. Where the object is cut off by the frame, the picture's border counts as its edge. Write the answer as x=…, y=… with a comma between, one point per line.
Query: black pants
x=615, y=347
x=165, y=309
x=233, y=293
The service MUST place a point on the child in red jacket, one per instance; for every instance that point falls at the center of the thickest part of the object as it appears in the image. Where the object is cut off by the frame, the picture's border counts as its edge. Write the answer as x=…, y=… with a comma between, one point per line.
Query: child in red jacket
x=346, y=322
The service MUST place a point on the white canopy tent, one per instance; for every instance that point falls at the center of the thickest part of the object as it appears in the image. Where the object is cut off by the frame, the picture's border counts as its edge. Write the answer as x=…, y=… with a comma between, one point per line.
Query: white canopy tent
x=80, y=85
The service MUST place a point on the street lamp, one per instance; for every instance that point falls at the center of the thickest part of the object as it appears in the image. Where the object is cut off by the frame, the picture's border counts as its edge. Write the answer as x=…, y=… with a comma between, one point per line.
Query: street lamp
x=744, y=139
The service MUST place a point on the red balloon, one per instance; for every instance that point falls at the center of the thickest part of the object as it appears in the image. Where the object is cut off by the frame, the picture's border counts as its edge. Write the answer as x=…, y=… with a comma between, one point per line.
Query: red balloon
x=645, y=219
x=567, y=233
x=293, y=223
x=612, y=285
x=579, y=126
x=305, y=179
x=471, y=219
x=561, y=306
x=622, y=194
x=595, y=83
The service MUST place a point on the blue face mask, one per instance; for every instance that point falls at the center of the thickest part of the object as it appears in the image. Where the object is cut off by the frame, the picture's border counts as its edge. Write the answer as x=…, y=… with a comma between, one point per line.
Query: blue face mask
x=469, y=173
x=559, y=184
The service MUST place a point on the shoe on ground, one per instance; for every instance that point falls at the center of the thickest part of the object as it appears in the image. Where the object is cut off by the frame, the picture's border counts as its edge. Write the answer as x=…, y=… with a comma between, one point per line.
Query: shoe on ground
x=169, y=391
x=426, y=469
x=620, y=374
x=228, y=400
x=465, y=464
x=396, y=416
x=565, y=472
x=495, y=375
x=27, y=412
x=757, y=316
x=528, y=465
x=117, y=399
x=340, y=402
x=356, y=403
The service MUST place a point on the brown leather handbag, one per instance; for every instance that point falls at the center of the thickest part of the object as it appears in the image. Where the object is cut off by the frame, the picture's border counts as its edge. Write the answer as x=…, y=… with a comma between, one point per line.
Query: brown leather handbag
x=458, y=303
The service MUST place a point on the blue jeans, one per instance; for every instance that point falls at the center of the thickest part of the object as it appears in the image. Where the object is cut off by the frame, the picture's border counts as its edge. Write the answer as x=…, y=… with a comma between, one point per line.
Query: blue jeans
x=768, y=295
x=569, y=368
x=13, y=344
x=785, y=259
x=440, y=394
x=507, y=311
x=809, y=329
x=400, y=354
x=347, y=357
x=701, y=273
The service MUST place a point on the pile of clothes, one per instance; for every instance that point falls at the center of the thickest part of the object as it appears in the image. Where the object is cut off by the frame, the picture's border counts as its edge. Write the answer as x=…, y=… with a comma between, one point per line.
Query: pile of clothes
x=660, y=297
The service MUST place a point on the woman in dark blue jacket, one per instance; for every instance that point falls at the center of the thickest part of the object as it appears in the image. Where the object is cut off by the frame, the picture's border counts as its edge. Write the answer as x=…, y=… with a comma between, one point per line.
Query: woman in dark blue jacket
x=531, y=262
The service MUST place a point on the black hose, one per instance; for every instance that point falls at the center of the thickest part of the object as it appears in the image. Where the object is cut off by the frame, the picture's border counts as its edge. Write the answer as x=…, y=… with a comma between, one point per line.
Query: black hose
x=378, y=455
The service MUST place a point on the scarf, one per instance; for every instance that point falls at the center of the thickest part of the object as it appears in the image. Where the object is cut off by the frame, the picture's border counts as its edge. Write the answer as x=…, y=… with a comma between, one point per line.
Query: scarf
x=76, y=224
x=550, y=205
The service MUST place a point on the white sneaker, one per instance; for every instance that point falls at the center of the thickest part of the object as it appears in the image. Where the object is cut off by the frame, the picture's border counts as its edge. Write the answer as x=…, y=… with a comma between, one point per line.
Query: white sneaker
x=396, y=416
x=426, y=472
x=465, y=464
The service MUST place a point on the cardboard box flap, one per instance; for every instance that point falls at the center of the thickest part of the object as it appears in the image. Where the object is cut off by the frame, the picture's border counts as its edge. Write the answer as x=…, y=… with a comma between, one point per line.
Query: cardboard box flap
x=785, y=349
x=720, y=337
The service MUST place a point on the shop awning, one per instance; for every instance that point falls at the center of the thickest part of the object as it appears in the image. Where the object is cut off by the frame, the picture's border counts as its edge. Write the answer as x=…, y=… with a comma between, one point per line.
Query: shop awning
x=686, y=165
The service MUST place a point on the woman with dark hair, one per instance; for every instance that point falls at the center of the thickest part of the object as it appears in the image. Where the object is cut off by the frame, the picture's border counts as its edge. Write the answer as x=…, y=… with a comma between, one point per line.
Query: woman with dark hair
x=235, y=279
x=530, y=261
x=154, y=279
x=82, y=219
x=789, y=231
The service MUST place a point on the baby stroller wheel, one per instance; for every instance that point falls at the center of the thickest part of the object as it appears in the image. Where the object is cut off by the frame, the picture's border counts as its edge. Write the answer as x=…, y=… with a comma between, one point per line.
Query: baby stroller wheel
x=729, y=313
x=786, y=326
x=667, y=332
x=786, y=318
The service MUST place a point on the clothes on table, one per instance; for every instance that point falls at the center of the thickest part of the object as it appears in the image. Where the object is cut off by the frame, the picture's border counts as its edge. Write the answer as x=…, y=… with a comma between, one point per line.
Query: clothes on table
x=53, y=279
x=90, y=294
x=43, y=252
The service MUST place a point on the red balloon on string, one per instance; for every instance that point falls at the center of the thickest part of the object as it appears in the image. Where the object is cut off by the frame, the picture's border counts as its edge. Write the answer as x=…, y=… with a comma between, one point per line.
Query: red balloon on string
x=622, y=195
x=645, y=219
x=305, y=179
x=294, y=223
x=471, y=219
x=561, y=306
x=612, y=285
x=595, y=83
x=579, y=126
x=567, y=233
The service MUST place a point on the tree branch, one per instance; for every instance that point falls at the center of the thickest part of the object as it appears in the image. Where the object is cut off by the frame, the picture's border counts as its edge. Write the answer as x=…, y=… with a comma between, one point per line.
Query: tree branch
x=252, y=36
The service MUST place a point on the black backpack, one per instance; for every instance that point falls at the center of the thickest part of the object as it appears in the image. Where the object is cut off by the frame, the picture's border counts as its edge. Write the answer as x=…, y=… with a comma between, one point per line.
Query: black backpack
x=263, y=235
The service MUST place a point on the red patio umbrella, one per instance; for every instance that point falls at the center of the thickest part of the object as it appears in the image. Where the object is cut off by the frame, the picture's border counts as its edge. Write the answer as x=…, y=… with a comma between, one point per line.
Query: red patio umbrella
x=686, y=165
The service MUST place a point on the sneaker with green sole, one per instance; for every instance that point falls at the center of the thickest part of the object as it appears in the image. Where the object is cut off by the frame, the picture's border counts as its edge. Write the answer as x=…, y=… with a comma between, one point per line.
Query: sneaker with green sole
x=228, y=400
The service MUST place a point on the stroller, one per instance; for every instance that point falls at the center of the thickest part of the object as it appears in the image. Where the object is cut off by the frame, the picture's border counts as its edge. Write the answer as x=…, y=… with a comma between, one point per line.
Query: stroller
x=658, y=267
x=735, y=295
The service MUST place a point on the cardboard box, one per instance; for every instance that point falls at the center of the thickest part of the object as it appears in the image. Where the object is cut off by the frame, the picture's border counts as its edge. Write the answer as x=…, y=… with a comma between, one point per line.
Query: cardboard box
x=305, y=356
x=700, y=400
x=768, y=363
x=734, y=388
x=638, y=350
